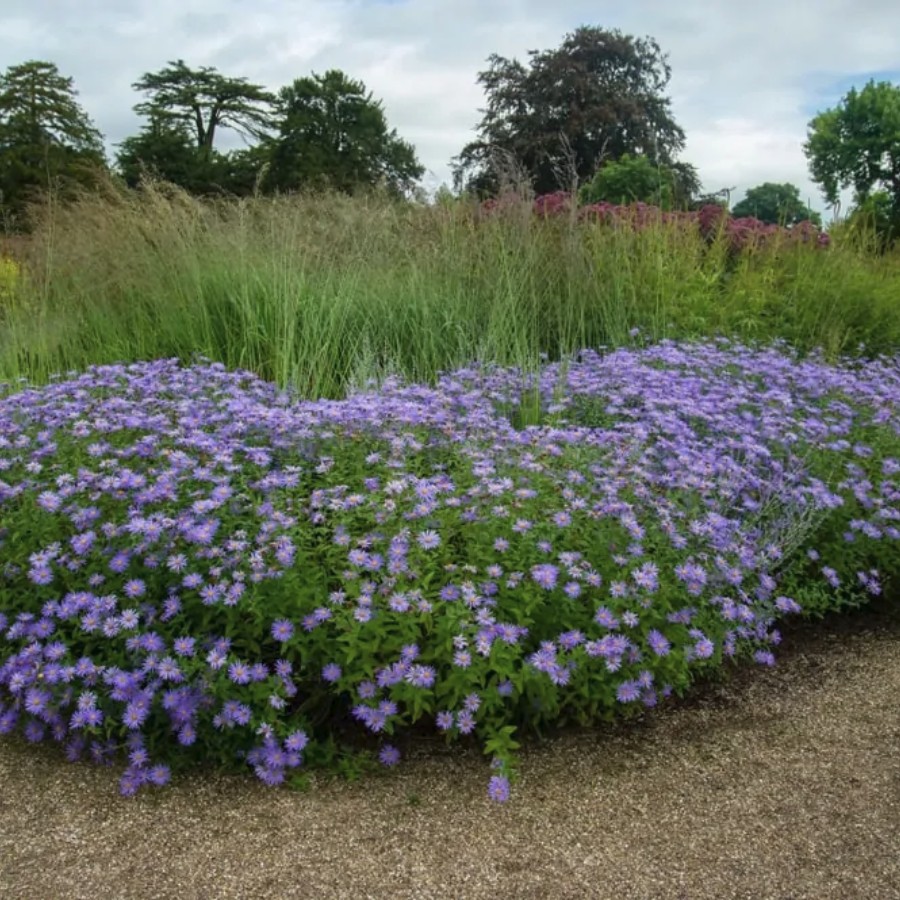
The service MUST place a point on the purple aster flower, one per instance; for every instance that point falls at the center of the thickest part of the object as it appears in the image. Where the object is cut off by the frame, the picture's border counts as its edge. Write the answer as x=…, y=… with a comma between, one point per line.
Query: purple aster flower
x=421, y=676
x=40, y=575
x=472, y=702
x=389, y=755
x=331, y=672
x=184, y=646
x=787, y=605
x=628, y=692
x=465, y=721
x=545, y=575
x=647, y=577
x=239, y=673
x=498, y=788
x=296, y=742
x=135, y=588
x=429, y=540
x=159, y=775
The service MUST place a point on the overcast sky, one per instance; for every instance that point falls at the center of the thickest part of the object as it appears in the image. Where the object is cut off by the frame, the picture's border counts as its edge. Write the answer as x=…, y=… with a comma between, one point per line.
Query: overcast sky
x=746, y=78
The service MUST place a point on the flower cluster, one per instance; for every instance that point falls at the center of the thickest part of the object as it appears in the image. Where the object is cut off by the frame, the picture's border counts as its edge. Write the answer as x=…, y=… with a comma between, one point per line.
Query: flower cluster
x=711, y=220
x=198, y=566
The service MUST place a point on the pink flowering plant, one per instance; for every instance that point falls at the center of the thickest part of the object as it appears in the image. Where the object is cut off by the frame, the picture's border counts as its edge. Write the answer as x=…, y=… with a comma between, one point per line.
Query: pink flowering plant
x=713, y=222
x=199, y=567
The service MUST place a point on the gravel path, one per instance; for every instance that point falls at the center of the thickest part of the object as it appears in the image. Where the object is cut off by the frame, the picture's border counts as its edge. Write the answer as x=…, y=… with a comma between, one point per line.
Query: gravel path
x=784, y=783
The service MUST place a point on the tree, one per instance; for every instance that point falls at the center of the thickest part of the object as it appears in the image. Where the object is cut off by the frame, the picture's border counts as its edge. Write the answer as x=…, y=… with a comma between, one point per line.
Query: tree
x=776, y=204
x=166, y=149
x=875, y=220
x=597, y=97
x=635, y=178
x=46, y=138
x=857, y=144
x=332, y=133
x=205, y=101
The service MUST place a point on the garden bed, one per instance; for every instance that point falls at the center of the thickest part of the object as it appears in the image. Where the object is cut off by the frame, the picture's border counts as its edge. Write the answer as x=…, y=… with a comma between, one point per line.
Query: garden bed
x=200, y=569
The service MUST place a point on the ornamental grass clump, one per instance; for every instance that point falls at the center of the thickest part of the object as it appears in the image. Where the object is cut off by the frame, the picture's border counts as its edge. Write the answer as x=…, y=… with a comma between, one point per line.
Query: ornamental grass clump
x=199, y=568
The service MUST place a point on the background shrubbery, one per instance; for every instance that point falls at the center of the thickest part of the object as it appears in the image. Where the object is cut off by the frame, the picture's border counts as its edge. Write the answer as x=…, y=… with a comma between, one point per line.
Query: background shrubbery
x=323, y=291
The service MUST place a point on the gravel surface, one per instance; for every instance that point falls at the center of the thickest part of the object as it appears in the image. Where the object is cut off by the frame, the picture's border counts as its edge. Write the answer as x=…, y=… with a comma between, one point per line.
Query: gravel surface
x=781, y=783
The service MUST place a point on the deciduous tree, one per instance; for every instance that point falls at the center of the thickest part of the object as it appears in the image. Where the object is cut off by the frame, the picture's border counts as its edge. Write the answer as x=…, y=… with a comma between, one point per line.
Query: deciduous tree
x=857, y=144
x=776, y=204
x=635, y=178
x=598, y=96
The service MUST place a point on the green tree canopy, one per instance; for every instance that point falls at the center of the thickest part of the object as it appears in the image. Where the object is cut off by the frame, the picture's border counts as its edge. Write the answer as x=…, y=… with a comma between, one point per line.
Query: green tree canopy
x=46, y=138
x=333, y=133
x=166, y=149
x=857, y=144
x=875, y=220
x=598, y=96
x=776, y=204
x=635, y=178
x=205, y=101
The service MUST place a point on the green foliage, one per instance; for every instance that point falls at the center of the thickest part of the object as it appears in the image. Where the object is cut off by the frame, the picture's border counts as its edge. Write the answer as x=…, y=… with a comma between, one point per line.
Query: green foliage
x=47, y=140
x=597, y=96
x=325, y=291
x=203, y=101
x=776, y=204
x=874, y=222
x=165, y=149
x=631, y=179
x=857, y=144
x=333, y=134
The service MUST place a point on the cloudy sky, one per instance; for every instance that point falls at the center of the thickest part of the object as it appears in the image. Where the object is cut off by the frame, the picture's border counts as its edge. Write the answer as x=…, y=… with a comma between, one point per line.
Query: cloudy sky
x=746, y=77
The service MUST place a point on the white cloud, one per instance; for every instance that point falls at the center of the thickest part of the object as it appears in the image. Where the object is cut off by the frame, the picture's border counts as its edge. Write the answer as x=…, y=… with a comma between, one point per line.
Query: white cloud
x=746, y=79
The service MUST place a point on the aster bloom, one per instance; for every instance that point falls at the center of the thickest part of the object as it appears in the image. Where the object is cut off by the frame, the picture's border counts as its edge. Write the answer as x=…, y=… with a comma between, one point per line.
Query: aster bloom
x=421, y=676
x=282, y=630
x=498, y=789
x=239, y=673
x=331, y=673
x=184, y=646
x=389, y=755
x=465, y=721
x=545, y=575
x=605, y=618
x=429, y=540
x=647, y=577
x=658, y=642
x=628, y=692
x=296, y=742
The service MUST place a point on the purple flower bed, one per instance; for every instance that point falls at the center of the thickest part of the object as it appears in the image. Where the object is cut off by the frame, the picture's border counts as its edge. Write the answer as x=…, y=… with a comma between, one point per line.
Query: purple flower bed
x=196, y=567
